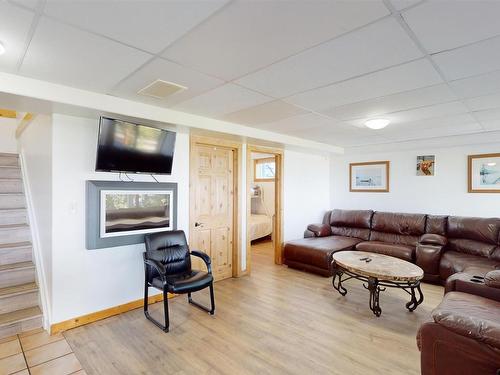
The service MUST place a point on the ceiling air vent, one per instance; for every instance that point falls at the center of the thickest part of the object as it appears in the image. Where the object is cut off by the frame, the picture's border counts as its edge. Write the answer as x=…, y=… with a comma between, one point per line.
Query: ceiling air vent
x=160, y=89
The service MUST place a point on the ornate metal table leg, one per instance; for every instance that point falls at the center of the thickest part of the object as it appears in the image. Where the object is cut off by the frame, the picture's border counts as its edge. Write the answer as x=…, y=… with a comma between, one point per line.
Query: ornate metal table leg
x=337, y=272
x=374, y=296
x=414, y=302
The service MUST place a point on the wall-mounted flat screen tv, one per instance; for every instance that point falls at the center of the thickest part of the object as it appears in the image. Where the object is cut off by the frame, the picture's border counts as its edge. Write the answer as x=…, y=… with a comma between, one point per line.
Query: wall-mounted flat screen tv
x=133, y=148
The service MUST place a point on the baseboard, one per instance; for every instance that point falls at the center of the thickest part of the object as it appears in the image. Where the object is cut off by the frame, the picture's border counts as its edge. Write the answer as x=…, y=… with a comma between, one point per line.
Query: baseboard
x=103, y=314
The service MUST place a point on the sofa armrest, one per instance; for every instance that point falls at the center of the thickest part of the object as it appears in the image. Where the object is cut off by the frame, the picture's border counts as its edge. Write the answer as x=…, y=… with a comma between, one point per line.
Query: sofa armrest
x=492, y=279
x=433, y=239
x=320, y=230
x=427, y=257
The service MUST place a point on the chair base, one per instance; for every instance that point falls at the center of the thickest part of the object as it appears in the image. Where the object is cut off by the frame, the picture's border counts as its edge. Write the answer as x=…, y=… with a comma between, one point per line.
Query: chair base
x=210, y=310
x=165, y=327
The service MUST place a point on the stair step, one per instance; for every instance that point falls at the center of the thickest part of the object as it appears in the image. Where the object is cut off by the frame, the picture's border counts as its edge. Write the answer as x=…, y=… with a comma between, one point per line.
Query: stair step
x=18, y=297
x=16, y=274
x=14, y=233
x=11, y=185
x=19, y=252
x=10, y=172
x=19, y=321
x=10, y=216
x=9, y=160
x=12, y=200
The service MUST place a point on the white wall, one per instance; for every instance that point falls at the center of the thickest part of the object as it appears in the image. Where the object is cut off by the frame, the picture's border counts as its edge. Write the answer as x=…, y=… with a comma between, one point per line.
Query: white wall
x=8, y=142
x=86, y=281
x=444, y=193
x=35, y=145
x=306, y=191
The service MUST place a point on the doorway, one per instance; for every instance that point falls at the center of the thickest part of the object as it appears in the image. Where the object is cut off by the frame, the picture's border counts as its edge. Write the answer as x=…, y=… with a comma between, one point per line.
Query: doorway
x=264, y=215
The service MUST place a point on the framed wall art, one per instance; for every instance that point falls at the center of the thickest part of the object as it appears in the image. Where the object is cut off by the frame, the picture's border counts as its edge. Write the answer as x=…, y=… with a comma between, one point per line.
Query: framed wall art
x=369, y=177
x=484, y=173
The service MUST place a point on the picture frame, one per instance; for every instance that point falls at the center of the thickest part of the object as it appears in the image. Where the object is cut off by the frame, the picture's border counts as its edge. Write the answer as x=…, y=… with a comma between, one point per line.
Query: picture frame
x=369, y=177
x=483, y=173
x=426, y=165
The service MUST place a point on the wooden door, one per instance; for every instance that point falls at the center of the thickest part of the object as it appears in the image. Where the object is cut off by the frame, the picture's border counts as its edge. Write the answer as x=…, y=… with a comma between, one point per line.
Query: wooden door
x=212, y=200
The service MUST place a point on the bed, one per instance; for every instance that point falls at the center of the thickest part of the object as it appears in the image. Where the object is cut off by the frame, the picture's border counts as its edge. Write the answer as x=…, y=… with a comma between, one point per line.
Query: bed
x=260, y=225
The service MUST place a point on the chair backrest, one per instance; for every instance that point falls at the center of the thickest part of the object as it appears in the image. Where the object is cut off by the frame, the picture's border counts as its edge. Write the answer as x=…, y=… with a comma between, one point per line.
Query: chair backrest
x=398, y=228
x=171, y=249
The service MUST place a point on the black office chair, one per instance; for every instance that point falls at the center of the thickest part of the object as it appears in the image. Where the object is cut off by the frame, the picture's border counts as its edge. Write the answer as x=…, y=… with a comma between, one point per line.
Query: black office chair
x=167, y=266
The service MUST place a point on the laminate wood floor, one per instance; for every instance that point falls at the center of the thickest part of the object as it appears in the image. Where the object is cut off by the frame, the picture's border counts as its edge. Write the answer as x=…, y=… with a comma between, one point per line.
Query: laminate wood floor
x=277, y=321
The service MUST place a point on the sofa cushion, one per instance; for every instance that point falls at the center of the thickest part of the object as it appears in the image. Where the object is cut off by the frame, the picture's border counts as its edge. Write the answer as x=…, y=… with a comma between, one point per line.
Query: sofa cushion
x=467, y=246
x=404, y=252
x=474, y=228
x=470, y=316
x=453, y=262
x=351, y=223
x=317, y=251
x=397, y=228
x=436, y=224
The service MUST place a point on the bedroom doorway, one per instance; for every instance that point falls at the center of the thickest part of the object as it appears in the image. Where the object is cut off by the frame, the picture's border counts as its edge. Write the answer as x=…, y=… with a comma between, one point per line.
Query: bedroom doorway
x=264, y=222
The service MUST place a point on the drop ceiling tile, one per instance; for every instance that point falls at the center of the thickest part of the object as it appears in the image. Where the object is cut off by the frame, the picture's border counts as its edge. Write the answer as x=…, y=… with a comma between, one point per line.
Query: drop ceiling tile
x=196, y=83
x=446, y=24
x=410, y=76
x=263, y=113
x=63, y=54
x=149, y=25
x=25, y=3
x=222, y=100
x=483, y=102
x=430, y=123
x=490, y=125
x=248, y=35
x=403, y=4
x=478, y=58
x=444, y=131
x=487, y=115
x=15, y=24
x=391, y=103
x=416, y=114
x=300, y=123
x=368, y=49
x=479, y=85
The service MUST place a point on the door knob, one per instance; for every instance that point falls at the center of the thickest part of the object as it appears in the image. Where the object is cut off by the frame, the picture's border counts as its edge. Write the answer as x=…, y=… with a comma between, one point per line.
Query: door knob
x=196, y=224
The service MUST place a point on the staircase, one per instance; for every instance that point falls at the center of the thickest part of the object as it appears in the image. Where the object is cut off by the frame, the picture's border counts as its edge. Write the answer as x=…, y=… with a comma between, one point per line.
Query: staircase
x=19, y=310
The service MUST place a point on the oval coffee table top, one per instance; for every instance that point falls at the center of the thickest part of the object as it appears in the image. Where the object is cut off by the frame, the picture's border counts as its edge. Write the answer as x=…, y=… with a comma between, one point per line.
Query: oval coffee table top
x=383, y=267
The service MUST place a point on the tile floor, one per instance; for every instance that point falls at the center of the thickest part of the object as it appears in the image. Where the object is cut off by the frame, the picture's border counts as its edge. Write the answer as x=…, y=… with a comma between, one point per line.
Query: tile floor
x=38, y=353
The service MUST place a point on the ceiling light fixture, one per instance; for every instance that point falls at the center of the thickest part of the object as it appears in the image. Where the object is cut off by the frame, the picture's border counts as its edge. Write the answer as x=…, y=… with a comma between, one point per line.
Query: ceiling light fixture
x=2, y=49
x=377, y=123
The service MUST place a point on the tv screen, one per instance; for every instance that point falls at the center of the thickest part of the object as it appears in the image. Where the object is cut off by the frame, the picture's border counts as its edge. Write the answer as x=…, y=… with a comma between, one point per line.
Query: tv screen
x=126, y=147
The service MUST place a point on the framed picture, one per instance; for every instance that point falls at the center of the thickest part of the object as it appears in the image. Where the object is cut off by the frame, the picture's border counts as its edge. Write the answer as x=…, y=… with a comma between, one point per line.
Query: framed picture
x=484, y=173
x=369, y=177
x=425, y=165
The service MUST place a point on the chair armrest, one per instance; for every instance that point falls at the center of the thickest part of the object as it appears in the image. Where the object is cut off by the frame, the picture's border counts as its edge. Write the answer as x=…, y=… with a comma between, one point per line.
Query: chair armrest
x=320, y=230
x=205, y=257
x=492, y=279
x=433, y=239
x=160, y=268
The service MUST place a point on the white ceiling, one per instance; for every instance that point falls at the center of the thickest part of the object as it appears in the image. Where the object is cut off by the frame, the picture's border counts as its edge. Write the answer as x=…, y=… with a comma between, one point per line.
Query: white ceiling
x=315, y=69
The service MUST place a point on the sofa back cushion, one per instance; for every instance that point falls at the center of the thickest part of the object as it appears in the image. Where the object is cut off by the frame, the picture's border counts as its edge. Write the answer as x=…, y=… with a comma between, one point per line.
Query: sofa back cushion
x=473, y=235
x=351, y=223
x=399, y=228
x=436, y=224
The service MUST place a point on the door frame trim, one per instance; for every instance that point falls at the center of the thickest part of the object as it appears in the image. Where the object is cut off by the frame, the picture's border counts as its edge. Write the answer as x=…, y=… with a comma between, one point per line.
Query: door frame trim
x=237, y=188
x=278, y=201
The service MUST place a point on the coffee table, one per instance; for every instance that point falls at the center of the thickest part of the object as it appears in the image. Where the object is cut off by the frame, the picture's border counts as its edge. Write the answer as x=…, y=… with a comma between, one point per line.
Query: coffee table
x=378, y=272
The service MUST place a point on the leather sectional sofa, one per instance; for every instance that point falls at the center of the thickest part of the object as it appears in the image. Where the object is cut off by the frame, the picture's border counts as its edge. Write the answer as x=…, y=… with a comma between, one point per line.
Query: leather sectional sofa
x=463, y=253
x=440, y=245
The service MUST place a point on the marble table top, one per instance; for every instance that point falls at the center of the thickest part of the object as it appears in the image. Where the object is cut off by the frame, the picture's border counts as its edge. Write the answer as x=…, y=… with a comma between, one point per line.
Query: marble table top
x=383, y=267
